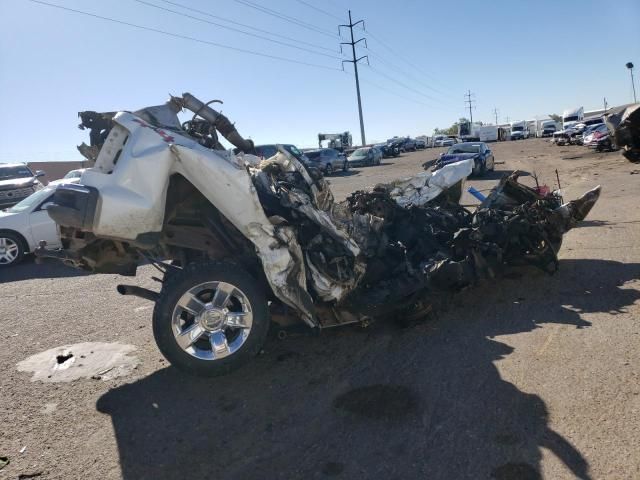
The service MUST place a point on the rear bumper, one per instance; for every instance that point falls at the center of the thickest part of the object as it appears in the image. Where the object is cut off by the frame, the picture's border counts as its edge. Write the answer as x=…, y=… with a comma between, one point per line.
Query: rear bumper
x=74, y=206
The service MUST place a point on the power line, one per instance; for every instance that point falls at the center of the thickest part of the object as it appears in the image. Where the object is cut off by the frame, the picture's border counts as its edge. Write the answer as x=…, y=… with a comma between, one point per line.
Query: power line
x=355, y=61
x=411, y=64
x=185, y=37
x=393, y=92
x=255, y=35
x=402, y=84
x=401, y=71
x=288, y=18
x=470, y=103
x=201, y=12
x=319, y=10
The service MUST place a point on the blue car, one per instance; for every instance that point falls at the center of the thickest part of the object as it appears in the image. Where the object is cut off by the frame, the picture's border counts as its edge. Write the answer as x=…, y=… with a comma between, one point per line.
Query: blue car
x=479, y=151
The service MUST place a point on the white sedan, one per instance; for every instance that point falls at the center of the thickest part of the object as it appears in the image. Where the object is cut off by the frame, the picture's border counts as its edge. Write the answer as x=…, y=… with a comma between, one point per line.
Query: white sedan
x=72, y=176
x=24, y=225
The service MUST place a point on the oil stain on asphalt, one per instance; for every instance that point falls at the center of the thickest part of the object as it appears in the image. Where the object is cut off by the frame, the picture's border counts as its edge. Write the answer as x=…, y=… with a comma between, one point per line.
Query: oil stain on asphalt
x=378, y=401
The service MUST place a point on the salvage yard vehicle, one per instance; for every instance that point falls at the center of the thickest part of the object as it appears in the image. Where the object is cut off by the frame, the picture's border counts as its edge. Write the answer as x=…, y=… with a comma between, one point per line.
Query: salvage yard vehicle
x=443, y=141
x=519, y=130
x=17, y=182
x=624, y=124
x=267, y=151
x=72, y=176
x=365, y=156
x=24, y=225
x=388, y=150
x=328, y=160
x=242, y=242
x=479, y=152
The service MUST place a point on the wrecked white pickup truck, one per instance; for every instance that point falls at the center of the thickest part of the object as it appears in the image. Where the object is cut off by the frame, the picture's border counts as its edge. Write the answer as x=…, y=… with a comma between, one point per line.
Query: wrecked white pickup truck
x=242, y=242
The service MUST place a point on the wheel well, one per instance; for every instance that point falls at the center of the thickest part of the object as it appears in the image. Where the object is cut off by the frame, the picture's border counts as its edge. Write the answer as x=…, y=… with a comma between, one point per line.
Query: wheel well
x=194, y=225
x=21, y=239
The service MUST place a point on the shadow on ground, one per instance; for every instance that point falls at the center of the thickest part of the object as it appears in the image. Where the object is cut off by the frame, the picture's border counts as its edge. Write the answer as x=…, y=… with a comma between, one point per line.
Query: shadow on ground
x=29, y=269
x=493, y=175
x=421, y=402
x=343, y=173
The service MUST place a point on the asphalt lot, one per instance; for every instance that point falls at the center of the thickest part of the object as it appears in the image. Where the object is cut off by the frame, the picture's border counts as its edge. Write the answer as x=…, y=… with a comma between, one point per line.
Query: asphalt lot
x=526, y=377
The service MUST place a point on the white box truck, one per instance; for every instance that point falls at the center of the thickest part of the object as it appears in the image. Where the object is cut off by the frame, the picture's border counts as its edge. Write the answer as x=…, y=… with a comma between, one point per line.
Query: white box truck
x=572, y=117
x=488, y=133
x=548, y=128
x=469, y=132
x=519, y=130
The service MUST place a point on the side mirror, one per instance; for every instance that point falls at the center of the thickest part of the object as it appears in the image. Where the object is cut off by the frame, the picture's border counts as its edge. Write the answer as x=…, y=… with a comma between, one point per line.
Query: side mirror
x=442, y=154
x=40, y=173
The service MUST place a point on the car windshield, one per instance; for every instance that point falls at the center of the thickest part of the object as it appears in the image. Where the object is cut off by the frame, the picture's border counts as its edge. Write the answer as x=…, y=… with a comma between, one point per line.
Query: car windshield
x=31, y=201
x=293, y=151
x=74, y=174
x=462, y=148
x=313, y=155
x=361, y=152
x=517, y=129
x=10, y=173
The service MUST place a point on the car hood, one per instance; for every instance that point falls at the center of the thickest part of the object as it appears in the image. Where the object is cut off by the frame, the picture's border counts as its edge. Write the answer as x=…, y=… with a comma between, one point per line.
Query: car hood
x=353, y=158
x=456, y=157
x=11, y=221
x=17, y=182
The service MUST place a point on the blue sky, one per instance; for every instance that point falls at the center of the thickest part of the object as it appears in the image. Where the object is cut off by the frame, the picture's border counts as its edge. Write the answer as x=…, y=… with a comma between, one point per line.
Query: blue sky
x=523, y=58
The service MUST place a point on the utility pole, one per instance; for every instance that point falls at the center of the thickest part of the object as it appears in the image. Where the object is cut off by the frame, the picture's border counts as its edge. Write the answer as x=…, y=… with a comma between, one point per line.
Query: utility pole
x=470, y=101
x=605, y=105
x=355, y=67
x=495, y=112
x=507, y=119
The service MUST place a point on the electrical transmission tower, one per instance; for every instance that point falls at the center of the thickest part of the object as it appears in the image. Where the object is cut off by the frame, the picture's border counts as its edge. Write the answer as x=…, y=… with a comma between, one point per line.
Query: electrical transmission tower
x=495, y=112
x=470, y=101
x=355, y=67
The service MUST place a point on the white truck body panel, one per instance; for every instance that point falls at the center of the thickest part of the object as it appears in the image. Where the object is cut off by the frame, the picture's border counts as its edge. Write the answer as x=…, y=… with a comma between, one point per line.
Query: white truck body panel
x=488, y=133
x=572, y=116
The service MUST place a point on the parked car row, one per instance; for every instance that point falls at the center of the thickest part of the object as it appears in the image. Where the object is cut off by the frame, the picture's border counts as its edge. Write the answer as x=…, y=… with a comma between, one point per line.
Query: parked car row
x=24, y=221
x=593, y=134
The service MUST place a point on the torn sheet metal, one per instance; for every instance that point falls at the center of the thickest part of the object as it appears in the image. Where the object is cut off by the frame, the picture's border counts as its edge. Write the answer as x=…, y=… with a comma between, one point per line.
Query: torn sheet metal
x=426, y=186
x=624, y=122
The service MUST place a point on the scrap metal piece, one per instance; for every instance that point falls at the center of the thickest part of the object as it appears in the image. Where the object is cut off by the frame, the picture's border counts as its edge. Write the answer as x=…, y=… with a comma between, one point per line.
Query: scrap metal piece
x=624, y=122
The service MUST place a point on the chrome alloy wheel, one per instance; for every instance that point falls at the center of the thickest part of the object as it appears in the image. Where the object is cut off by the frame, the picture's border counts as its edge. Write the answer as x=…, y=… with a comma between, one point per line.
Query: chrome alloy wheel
x=9, y=251
x=212, y=320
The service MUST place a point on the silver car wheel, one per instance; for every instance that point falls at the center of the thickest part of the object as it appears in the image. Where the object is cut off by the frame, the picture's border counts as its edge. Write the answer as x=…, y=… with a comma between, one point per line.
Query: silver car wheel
x=9, y=251
x=212, y=320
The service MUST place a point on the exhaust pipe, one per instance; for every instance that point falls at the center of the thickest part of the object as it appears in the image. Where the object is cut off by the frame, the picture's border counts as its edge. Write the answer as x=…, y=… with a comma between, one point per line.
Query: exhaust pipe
x=138, y=292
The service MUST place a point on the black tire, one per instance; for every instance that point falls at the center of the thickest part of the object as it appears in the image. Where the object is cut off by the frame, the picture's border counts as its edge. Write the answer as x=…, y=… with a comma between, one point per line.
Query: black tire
x=328, y=169
x=477, y=169
x=181, y=282
x=12, y=240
